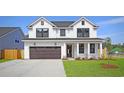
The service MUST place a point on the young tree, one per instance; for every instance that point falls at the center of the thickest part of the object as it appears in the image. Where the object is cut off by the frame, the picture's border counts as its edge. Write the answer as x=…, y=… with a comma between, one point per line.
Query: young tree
x=108, y=45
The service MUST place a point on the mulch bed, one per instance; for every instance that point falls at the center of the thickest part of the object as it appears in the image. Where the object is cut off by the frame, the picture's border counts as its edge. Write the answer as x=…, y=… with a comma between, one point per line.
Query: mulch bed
x=109, y=66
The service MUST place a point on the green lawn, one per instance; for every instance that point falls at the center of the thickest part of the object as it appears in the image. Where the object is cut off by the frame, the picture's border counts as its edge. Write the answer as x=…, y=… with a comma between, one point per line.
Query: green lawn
x=3, y=60
x=92, y=68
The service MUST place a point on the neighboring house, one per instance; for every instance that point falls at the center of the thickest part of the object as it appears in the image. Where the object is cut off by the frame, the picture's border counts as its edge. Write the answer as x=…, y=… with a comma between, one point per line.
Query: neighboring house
x=116, y=50
x=62, y=39
x=10, y=38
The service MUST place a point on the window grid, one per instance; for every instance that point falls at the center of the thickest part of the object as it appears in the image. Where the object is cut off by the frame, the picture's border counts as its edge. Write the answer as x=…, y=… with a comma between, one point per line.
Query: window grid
x=81, y=48
x=92, y=48
x=62, y=32
x=42, y=32
x=82, y=32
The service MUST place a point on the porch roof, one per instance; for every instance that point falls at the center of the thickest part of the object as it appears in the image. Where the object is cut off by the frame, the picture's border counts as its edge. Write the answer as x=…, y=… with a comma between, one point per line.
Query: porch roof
x=64, y=39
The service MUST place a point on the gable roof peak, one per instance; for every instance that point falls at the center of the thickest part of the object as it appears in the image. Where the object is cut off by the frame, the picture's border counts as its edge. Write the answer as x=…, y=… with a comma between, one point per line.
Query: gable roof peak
x=60, y=23
x=82, y=17
x=40, y=18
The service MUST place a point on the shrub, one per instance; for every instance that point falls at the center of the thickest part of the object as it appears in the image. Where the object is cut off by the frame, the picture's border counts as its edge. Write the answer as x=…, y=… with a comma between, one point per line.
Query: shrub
x=91, y=58
x=107, y=58
x=83, y=58
x=78, y=58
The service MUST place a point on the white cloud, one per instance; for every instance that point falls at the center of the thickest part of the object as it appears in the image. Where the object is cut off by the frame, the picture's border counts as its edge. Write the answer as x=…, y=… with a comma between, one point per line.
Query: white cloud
x=112, y=21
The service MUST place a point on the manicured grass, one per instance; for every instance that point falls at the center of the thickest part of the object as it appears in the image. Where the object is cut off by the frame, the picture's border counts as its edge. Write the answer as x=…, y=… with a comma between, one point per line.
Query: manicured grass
x=3, y=60
x=93, y=68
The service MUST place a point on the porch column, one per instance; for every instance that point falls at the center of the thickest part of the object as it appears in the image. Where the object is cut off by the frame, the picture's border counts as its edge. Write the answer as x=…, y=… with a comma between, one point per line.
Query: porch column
x=88, y=50
x=96, y=50
x=77, y=49
x=100, y=50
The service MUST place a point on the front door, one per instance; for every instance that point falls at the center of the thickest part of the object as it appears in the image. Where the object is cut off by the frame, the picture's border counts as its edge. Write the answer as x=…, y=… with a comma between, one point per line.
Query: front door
x=69, y=50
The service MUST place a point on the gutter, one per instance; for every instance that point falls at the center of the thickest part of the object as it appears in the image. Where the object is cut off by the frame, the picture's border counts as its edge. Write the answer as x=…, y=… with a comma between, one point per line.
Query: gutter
x=63, y=40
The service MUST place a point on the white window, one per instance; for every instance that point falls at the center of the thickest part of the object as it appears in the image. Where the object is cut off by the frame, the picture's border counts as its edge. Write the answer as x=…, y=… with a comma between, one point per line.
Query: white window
x=62, y=32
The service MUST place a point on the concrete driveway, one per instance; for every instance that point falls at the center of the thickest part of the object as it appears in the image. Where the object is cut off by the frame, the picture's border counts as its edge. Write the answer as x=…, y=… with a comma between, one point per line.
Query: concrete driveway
x=32, y=68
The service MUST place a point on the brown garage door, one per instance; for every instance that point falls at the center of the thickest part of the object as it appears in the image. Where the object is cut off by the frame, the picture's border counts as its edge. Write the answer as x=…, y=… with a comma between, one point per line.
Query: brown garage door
x=45, y=52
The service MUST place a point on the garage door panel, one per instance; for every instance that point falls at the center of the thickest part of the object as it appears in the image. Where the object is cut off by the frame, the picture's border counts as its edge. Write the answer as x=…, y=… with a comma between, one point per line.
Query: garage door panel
x=45, y=52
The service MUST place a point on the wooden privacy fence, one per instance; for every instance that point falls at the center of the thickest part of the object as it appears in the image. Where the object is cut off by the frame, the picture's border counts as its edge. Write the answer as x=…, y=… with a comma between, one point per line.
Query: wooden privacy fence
x=12, y=54
x=0, y=54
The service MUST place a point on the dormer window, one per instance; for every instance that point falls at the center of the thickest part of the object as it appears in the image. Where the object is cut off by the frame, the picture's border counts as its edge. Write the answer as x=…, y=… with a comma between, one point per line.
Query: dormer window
x=42, y=22
x=83, y=23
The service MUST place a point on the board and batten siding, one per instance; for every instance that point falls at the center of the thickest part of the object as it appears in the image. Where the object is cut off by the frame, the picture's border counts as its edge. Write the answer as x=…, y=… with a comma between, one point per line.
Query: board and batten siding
x=32, y=32
x=55, y=33
x=92, y=32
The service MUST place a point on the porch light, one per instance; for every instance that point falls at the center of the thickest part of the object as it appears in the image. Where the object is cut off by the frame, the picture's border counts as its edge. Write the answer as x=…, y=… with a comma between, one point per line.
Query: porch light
x=55, y=44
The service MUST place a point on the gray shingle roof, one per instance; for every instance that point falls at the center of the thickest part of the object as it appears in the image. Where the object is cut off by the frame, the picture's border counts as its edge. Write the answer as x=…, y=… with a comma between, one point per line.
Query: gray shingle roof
x=62, y=23
x=5, y=30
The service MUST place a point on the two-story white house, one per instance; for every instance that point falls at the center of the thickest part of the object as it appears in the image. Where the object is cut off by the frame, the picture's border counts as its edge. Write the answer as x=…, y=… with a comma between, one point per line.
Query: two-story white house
x=62, y=39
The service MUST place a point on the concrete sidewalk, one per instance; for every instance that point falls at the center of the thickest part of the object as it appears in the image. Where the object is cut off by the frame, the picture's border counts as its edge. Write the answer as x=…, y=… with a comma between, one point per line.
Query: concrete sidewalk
x=32, y=68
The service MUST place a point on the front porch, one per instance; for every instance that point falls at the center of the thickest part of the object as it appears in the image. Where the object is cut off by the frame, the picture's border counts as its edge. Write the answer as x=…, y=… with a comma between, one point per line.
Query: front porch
x=82, y=50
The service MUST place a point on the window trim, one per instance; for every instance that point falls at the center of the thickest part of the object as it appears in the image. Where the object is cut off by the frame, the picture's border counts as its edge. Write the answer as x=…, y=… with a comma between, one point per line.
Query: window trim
x=87, y=30
x=80, y=52
x=83, y=22
x=93, y=49
x=61, y=34
x=82, y=32
x=42, y=22
x=42, y=34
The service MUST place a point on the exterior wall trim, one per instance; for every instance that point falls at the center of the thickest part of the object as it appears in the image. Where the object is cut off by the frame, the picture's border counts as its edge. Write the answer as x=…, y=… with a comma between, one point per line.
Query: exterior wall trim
x=75, y=41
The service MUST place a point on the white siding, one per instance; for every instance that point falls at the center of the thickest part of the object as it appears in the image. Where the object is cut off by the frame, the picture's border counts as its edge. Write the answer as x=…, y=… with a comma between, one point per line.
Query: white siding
x=92, y=32
x=69, y=33
x=85, y=54
x=55, y=33
x=31, y=44
x=32, y=33
x=75, y=49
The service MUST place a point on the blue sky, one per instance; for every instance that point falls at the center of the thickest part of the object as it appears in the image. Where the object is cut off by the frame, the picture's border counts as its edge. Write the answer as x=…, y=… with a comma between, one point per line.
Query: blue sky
x=110, y=26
